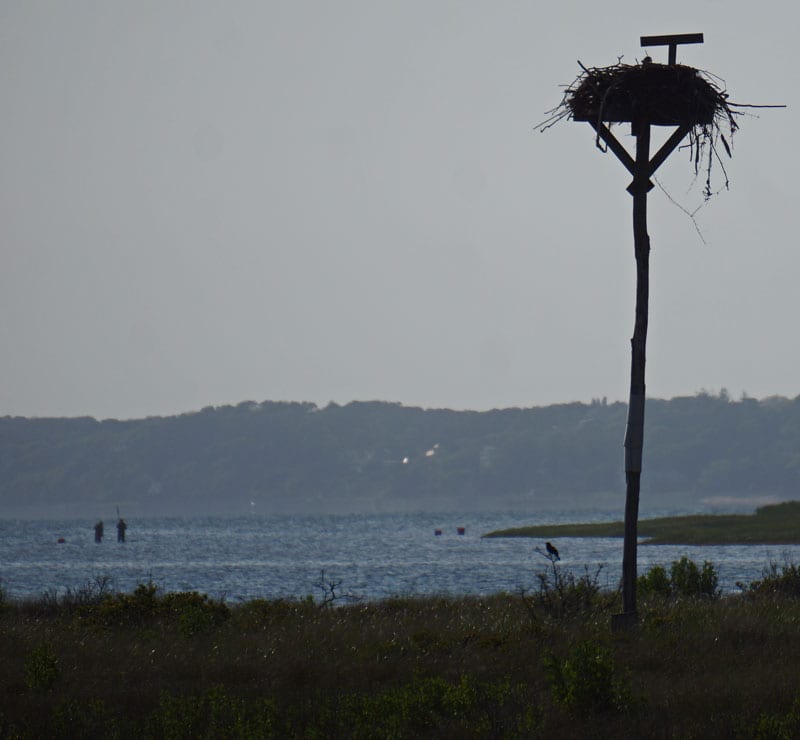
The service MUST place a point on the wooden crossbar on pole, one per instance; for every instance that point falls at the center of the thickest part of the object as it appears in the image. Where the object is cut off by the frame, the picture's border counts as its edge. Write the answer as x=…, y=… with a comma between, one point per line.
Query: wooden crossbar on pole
x=672, y=41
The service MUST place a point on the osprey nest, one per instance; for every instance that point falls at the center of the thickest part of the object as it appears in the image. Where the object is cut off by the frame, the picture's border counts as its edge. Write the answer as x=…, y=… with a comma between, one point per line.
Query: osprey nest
x=659, y=94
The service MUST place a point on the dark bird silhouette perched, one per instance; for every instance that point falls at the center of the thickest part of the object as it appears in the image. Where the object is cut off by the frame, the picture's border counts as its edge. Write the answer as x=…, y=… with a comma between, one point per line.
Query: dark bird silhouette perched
x=551, y=550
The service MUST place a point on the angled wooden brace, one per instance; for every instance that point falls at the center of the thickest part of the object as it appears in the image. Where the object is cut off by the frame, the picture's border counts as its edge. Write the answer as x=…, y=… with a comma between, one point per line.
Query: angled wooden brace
x=628, y=162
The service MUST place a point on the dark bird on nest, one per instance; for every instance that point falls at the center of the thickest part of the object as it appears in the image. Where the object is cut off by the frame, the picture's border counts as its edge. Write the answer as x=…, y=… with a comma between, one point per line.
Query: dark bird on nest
x=551, y=550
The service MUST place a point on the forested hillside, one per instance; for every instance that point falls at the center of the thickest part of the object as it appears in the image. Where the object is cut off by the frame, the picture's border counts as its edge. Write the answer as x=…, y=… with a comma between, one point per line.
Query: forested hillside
x=374, y=457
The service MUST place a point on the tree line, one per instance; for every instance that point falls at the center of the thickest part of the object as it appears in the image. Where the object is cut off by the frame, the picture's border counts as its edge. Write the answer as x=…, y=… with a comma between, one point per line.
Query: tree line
x=284, y=457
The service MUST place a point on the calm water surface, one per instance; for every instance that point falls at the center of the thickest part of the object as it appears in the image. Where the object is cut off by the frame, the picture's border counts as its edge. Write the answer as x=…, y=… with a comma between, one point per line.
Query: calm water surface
x=373, y=557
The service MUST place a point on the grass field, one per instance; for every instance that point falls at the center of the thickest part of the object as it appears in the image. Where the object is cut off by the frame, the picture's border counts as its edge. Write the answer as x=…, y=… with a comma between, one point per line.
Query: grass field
x=777, y=524
x=545, y=663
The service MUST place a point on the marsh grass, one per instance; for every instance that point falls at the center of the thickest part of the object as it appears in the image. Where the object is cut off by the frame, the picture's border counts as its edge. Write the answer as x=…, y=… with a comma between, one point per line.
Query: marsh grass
x=775, y=524
x=153, y=665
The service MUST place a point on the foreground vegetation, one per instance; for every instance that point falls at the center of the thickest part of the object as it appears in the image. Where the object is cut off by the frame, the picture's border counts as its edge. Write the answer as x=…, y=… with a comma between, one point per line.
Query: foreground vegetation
x=89, y=663
x=778, y=524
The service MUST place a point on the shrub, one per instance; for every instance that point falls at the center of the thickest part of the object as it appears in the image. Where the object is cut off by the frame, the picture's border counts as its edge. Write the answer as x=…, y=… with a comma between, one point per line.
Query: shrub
x=214, y=713
x=562, y=594
x=684, y=576
x=195, y=612
x=688, y=580
x=685, y=580
x=434, y=707
x=585, y=682
x=41, y=668
x=655, y=582
x=785, y=583
x=72, y=718
x=771, y=727
x=778, y=726
x=72, y=600
x=127, y=609
x=90, y=593
x=261, y=614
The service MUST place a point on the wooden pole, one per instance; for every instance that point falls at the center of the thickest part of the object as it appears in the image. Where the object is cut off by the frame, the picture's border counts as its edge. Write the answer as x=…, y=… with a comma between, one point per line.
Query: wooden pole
x=642, y=169
x=634, y=434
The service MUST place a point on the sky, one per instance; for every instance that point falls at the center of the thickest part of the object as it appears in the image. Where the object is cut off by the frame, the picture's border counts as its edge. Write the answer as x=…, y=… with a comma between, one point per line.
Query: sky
x=203, y=203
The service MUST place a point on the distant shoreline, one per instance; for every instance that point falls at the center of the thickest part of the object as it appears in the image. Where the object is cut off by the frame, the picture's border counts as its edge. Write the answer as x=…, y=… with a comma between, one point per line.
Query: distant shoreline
x=777, y=524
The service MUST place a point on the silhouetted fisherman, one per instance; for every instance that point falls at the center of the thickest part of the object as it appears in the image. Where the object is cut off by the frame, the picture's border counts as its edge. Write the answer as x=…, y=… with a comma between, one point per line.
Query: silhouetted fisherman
x=121, y=527
x=98, y=531
x=551, y=550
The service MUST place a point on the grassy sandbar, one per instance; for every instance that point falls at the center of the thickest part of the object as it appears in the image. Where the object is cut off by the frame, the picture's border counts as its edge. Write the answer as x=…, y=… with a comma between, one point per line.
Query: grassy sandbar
x=777, y=524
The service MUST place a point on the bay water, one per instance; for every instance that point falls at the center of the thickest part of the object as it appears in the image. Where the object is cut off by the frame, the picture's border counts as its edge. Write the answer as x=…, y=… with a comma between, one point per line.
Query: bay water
x=368, y=557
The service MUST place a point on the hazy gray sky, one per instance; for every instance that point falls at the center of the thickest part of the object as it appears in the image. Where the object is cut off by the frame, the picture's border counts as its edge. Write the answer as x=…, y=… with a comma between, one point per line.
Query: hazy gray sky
x=204, y=203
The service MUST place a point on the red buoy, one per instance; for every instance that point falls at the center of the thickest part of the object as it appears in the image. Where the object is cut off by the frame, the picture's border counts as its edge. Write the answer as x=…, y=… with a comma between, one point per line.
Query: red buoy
x=61, y=540
x=460, y=530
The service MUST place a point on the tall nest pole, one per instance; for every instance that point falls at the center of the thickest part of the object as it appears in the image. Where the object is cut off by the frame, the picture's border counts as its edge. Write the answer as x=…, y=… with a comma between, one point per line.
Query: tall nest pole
x=646, y=95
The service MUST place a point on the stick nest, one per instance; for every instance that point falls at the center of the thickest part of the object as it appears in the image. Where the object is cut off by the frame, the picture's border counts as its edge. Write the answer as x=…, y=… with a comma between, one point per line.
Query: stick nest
x=663, y=95
x=659, y=94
